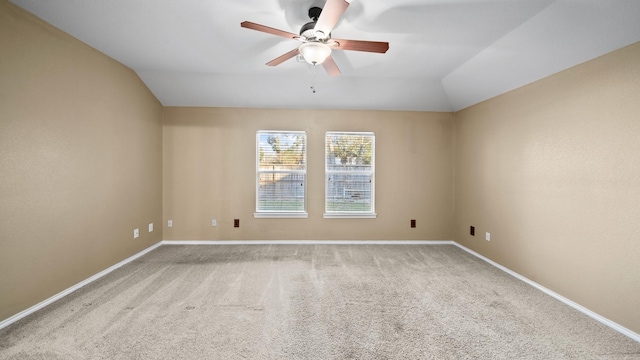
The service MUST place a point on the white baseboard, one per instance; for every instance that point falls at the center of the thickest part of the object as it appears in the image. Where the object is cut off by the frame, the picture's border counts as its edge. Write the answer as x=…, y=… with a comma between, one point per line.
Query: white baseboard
x=615, y=326
x=307, y=242
x=60, y=295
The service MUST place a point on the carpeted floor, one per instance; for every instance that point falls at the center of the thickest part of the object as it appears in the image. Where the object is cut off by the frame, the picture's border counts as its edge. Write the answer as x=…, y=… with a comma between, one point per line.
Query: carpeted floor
x=310, y=302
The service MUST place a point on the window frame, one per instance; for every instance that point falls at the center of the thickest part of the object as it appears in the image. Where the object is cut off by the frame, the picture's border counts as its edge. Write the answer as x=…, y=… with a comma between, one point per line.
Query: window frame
x=275, y=213
x=370, y=214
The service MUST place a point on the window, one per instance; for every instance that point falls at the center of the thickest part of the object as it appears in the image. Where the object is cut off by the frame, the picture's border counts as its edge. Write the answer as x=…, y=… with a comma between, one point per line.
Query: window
x=349, y=175
x=281, y=174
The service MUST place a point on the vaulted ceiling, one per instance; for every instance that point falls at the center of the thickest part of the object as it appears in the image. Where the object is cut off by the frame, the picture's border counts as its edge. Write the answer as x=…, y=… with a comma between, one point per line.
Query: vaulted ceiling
x=444, y=55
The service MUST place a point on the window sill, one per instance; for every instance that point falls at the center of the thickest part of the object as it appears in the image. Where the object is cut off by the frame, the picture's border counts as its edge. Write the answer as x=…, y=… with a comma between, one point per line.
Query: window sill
x=281, y=215
x=348, y=215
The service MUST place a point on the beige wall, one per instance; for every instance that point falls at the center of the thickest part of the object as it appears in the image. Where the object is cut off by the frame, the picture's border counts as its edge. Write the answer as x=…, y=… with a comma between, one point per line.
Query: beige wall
x=80, y=164
x=209, y=172
x=552, y=171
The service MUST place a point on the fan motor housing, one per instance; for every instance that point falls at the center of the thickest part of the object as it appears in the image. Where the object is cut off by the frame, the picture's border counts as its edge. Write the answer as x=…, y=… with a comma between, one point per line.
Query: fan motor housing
x=306, y=27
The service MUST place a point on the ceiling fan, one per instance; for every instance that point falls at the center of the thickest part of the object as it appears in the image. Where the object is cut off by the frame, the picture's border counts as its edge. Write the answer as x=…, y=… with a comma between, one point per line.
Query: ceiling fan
x=316, y=38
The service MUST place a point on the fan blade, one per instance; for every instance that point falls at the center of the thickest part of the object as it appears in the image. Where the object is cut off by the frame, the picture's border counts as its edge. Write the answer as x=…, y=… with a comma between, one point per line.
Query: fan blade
x=361, y=45
x=330, y=66
x=330, y=15
x=282, y=58
x=268, y=30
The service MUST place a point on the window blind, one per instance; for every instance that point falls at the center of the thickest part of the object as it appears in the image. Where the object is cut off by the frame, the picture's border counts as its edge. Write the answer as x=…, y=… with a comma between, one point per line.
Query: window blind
x=281, y=172
x=349, y=173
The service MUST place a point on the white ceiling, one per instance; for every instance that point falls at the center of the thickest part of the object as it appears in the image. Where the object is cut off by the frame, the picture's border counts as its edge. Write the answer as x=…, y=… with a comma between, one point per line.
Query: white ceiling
x=444, y=55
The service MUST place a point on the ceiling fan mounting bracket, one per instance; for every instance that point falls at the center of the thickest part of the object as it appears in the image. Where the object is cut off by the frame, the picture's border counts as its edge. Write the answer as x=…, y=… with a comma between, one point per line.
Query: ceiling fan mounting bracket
x=314, y=13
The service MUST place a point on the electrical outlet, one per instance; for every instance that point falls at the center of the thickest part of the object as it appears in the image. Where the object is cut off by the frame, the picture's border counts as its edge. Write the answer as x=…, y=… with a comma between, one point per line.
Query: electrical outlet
x=214, y=222
x=169, y=223
x=151, y=227
x=236, y=223
x=413, y=223
x=136, y=233
x=487, y=237
x=472, y=230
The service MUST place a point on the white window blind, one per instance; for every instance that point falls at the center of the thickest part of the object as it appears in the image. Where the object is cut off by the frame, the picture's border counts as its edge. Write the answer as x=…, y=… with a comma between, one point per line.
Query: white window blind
x=349, y=174
x=281, y=174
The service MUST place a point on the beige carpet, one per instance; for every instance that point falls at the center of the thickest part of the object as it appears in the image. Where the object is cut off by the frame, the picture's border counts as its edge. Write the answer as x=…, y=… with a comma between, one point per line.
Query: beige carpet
x=310, y=302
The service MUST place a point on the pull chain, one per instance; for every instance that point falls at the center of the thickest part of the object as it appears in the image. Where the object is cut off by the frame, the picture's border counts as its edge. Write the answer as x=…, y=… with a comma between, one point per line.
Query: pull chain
x=313, y=78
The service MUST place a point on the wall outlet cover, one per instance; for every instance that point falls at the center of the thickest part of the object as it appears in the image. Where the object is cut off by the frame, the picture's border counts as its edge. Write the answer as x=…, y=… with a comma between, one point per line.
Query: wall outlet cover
x=151, y=227
x=136, y=233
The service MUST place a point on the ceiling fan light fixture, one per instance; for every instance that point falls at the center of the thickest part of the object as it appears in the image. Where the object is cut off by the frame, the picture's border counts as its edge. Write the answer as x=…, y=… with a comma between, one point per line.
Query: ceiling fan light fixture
x=314, y=52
